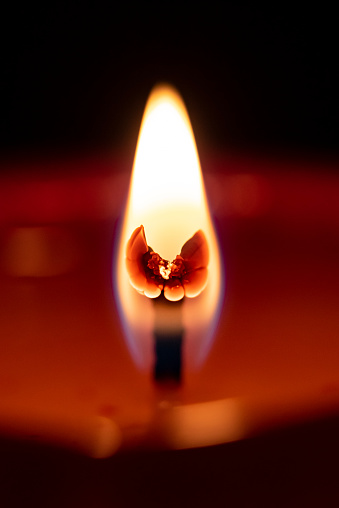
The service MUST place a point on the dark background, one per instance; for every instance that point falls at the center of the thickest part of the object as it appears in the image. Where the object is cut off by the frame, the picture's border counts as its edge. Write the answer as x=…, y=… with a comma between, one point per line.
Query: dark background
x=76, y=78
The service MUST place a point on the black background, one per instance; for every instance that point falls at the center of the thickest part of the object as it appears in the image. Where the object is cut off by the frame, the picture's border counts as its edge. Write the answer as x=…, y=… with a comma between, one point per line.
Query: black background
x=76, y=78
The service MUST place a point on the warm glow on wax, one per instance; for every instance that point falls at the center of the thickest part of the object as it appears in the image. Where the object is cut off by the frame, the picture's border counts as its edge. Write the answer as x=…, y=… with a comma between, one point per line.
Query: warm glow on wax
x=167, y=197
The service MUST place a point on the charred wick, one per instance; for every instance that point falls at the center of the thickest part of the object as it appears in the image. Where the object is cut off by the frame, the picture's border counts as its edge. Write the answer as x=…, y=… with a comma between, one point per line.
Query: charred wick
x=168, y=341
x=167, y=344
x=150, y=274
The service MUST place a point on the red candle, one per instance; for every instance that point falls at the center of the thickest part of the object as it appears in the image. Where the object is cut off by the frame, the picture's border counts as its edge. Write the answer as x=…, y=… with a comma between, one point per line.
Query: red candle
x=67, y=374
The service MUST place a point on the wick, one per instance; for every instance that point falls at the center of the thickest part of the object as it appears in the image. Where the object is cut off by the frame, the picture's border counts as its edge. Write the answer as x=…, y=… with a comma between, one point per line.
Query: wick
x=160, y=269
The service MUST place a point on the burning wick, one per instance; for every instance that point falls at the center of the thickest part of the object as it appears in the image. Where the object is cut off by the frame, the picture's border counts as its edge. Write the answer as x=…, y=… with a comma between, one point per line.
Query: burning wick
x=150, y=274
x=155, y=277
x=169, y=295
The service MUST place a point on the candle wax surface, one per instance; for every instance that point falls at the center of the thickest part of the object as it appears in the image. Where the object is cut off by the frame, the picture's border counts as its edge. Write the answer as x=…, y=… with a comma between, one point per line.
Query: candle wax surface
x=66, y=375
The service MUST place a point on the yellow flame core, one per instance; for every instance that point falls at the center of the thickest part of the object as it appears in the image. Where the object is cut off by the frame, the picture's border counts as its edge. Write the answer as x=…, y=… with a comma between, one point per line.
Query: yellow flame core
x=167, y=197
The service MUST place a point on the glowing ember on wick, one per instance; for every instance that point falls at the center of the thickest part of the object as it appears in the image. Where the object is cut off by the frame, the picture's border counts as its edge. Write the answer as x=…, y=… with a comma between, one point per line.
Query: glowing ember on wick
x=150, y=274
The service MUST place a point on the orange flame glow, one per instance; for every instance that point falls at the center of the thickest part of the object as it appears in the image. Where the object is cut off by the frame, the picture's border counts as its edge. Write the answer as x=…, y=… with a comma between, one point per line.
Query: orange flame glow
x=167, y=197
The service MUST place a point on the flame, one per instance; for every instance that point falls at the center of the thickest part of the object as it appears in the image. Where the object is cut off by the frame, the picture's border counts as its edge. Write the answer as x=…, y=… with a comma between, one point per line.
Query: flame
x=167, y=197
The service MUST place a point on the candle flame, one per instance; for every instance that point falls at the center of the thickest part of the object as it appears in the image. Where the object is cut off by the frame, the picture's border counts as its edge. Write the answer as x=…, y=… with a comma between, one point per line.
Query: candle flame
x=167, y=197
